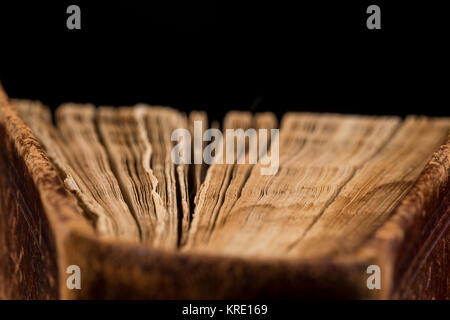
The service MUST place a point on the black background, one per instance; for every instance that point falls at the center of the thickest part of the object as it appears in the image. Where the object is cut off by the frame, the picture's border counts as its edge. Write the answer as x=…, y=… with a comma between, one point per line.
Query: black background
x=217, y=56
x=276, y=309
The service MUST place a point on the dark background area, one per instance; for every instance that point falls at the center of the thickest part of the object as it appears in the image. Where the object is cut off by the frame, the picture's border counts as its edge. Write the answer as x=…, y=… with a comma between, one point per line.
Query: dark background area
x=218, y=56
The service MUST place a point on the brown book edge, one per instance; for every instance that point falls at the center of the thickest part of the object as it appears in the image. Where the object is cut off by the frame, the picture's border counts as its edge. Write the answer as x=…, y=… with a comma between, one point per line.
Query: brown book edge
x=42, y=232
x=413, y=246
x=37, y=213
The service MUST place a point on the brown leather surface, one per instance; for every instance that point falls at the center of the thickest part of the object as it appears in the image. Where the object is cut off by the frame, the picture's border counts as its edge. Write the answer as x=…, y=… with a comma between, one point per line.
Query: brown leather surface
x=27, y=251
x=122, y=271
x=27, y=248
x=428, y=274
x=33, y=206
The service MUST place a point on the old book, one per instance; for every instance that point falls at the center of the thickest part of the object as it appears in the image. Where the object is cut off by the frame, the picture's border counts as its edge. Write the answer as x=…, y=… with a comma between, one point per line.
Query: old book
x=309, y=210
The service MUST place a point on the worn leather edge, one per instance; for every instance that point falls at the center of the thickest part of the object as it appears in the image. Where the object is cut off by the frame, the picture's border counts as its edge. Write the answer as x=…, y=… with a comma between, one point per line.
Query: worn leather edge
x=422, y=215
x=118, y=270
x=428, y=274
x=48, y=209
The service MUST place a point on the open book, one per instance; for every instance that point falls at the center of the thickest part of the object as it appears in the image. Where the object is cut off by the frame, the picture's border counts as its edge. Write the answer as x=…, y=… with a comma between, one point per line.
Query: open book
x=338, y=177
